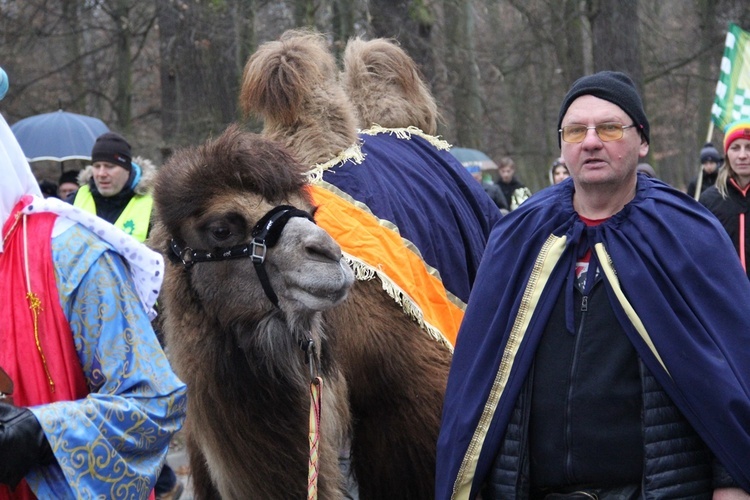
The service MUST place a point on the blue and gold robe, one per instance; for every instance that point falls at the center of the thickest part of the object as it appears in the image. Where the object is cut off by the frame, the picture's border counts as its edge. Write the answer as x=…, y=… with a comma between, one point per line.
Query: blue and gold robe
x=671, y=275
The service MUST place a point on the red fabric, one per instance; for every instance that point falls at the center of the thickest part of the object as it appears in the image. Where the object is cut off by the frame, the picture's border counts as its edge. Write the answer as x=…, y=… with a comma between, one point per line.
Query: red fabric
x=19, y=355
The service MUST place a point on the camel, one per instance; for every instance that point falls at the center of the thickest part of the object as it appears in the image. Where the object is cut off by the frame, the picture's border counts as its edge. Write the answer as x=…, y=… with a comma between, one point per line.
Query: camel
x=240, y=356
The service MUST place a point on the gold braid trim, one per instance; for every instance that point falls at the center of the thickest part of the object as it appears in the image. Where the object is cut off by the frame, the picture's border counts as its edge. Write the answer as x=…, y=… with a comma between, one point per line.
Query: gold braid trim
x=35, y=304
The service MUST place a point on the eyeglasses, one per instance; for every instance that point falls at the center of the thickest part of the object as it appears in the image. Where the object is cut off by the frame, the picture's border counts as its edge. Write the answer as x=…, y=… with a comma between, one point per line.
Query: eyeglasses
x=609, y=131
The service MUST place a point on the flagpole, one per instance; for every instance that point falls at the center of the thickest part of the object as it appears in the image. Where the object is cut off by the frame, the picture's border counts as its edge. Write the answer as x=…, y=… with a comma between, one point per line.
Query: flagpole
x=699, y=182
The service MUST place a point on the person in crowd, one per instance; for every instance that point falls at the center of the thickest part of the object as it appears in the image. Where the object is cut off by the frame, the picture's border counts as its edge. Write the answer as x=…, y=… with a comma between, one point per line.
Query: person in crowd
x=558, y=172
x=48, y=188
x=729, y=198
x=88, y=409
x=116, y=188
x=514, y=191
x=492, y=189
x=710, y=163
x=67, y=184
x=605, y=347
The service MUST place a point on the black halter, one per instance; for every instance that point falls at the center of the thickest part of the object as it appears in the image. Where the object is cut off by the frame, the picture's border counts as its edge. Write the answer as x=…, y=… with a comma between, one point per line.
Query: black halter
x=266, y=234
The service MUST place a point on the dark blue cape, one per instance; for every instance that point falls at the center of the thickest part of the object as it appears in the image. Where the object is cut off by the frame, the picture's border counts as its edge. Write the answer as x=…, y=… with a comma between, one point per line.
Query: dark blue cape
x=683, y=285
x=431, y=198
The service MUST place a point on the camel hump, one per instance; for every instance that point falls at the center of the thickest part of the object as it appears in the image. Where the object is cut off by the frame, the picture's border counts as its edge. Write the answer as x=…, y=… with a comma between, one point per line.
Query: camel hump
x=386, y=86
x=282, y=75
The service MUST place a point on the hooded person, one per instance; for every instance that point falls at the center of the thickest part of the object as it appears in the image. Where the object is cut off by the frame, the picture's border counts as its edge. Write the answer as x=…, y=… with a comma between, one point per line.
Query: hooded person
x=711, y=161
x=89, y=410
x=116, y=188
x=600, y=356
x=558, y=172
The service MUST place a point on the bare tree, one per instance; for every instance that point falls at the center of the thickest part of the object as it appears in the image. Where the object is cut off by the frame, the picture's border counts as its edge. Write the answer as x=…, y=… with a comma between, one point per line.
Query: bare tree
x=463, y=73
x=616, y=39
x=411, y=23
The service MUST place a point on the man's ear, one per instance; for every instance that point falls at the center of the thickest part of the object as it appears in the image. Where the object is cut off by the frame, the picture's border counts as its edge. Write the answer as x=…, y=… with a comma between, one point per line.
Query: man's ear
x=643, y=150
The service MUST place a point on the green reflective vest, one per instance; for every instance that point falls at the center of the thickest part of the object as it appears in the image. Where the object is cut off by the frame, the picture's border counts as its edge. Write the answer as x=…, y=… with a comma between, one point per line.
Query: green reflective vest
x=133, y=220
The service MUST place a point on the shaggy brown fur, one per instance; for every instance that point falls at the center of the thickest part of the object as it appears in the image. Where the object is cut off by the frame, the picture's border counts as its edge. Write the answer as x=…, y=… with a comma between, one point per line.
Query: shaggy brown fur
x=292, y=84
x=386, y=86
x=248, y=404
x=395, y=372
x=396, y=377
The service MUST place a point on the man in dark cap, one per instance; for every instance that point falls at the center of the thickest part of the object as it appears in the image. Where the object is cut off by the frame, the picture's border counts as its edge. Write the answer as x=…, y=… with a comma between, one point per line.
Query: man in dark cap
x=116, y=188
x=600, y=357
x=68, y=184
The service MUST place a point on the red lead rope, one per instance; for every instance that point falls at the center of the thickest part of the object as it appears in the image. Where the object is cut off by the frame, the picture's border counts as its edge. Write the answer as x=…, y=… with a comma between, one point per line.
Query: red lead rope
x=316, y=388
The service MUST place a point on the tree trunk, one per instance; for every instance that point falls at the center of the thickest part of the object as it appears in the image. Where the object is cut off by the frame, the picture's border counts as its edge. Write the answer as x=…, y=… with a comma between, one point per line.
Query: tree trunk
x=72, y=41
x=616, y=40
x=168, y=25
x=463, y=72
x=304, y=13
x=342, y=24
x=123, y=66
x=410, y=22
x=707, y=72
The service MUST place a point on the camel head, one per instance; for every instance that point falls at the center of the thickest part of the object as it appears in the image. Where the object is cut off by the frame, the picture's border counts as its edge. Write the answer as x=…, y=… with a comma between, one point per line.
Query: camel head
x=292, y=83
x=386, y=86
x=209, y=201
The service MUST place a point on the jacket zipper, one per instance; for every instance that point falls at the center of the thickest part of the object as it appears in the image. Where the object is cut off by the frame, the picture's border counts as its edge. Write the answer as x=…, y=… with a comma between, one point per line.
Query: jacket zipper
x=568, y=419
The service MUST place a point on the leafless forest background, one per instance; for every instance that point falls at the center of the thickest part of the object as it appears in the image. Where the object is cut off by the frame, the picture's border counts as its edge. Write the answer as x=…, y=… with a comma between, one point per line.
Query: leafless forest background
x=166, y=73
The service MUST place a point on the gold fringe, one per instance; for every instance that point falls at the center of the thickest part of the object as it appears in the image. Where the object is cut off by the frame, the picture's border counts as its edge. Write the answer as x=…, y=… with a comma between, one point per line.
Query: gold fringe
x=365, y=272
x=406, y=133
x=352, y=153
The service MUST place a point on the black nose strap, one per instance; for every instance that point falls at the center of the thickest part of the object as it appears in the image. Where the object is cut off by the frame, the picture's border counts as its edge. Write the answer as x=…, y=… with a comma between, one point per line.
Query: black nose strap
x=266, y=234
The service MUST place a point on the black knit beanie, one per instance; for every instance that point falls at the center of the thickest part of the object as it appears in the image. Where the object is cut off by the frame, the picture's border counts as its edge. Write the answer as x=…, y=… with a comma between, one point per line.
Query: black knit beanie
x=112, y=148
x=69, y=176
x=710, y=153
x=611, y=86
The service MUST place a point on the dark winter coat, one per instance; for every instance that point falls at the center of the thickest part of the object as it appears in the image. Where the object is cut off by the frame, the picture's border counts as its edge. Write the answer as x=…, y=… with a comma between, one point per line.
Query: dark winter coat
x=732, y=212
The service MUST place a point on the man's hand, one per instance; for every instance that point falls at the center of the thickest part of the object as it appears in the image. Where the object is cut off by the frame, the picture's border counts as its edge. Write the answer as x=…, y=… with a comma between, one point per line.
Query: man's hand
x=22, y=444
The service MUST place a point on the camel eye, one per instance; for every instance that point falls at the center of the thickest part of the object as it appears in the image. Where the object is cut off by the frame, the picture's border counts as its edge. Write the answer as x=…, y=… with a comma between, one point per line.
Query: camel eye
x=221, y=233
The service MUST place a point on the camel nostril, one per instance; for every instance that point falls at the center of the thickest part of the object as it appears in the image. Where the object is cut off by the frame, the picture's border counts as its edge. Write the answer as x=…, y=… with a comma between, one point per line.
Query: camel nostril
x=324, y=252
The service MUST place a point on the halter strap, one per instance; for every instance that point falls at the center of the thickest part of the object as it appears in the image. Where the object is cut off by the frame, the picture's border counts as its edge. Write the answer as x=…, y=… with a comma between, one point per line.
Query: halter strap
x=265, y=233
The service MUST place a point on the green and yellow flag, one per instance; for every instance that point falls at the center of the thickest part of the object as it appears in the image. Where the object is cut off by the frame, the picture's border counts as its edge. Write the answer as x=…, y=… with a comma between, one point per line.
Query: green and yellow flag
x=732, y=101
